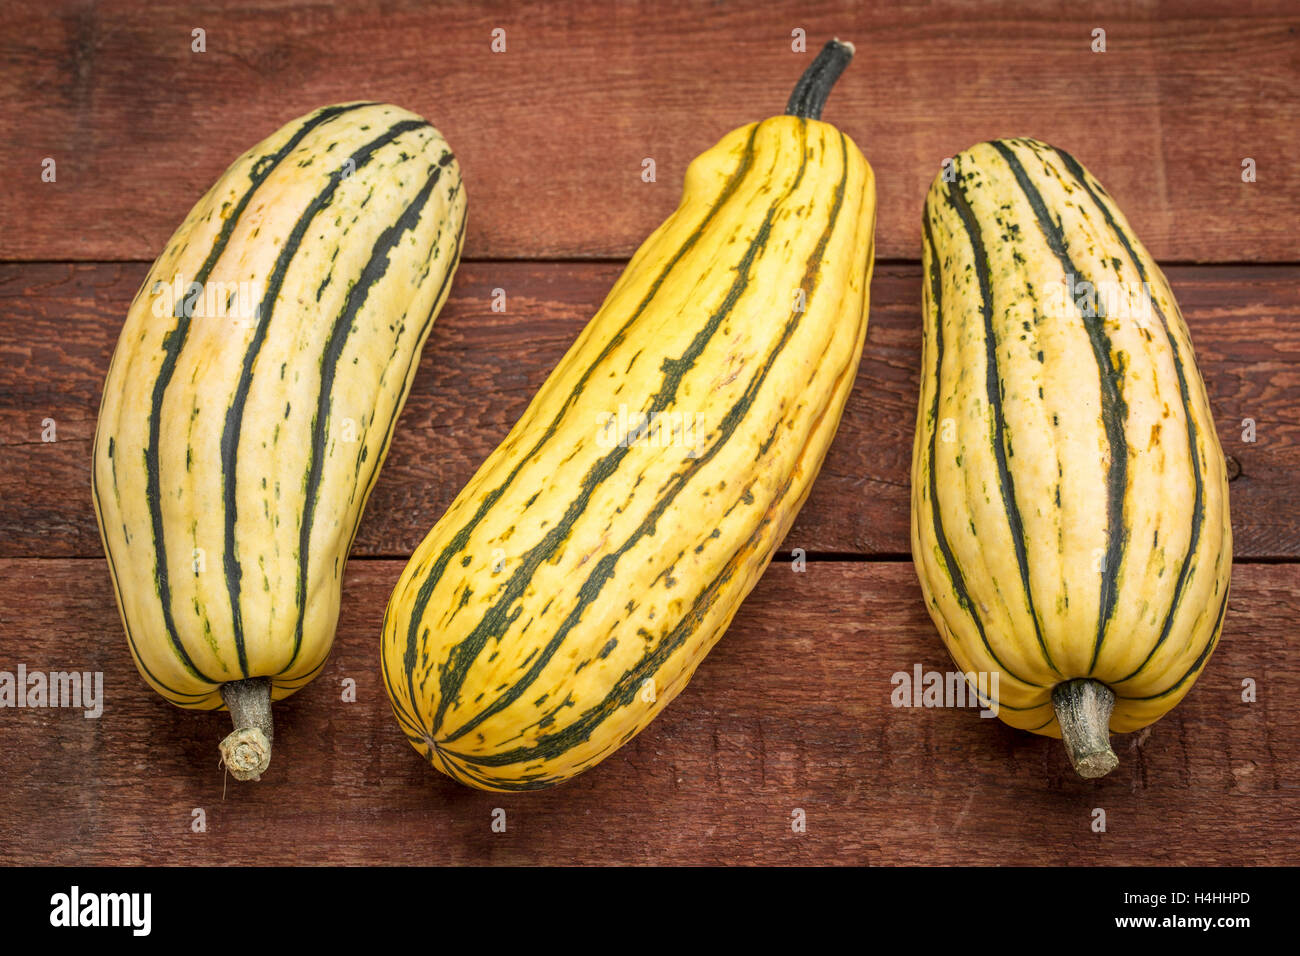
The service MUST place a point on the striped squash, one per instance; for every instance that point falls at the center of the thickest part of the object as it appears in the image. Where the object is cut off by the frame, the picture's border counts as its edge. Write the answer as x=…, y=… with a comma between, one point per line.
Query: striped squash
x=251, y=399
x=577, y=581
x=1069, y=495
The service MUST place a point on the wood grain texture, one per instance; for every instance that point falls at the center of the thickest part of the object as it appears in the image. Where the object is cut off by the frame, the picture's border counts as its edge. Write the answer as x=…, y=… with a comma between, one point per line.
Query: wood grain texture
x=551, y=133
x=59, y=323
x=791, y=711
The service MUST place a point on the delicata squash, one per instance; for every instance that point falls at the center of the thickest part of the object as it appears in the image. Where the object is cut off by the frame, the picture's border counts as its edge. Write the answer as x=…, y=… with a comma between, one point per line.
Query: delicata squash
x=579, y=578
x=1069, y=495
x=251, y=399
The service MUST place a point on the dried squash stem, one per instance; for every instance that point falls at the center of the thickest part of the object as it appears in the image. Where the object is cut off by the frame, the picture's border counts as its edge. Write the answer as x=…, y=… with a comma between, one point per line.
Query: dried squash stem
x=246, y=752
x=1083, y=710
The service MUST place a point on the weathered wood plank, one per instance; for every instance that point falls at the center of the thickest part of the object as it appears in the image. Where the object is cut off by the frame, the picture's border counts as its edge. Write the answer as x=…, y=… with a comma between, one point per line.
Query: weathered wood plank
x=791, y=711
x=59, y=323
x=553, y=131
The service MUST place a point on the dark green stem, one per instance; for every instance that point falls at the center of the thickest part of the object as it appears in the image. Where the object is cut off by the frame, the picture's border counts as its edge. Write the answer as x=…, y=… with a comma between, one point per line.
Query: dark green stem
x=814, y=86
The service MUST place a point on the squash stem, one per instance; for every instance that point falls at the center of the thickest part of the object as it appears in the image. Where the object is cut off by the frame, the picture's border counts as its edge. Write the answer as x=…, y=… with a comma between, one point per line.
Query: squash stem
x=1083, y=710
x=246, y=752
x=814, y=86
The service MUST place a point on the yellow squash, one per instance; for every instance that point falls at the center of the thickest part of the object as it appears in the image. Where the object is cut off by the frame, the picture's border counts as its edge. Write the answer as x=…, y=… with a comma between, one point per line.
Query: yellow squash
x=577, y=581
x=1069, y=495
x=251, y=399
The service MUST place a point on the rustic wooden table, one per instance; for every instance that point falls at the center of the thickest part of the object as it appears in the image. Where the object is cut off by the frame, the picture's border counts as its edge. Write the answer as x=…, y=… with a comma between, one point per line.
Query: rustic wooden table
x=792, y=710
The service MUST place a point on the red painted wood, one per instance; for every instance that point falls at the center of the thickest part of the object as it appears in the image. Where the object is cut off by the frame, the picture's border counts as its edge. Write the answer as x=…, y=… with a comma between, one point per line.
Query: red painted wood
x=552, y=133
x=791, y=711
